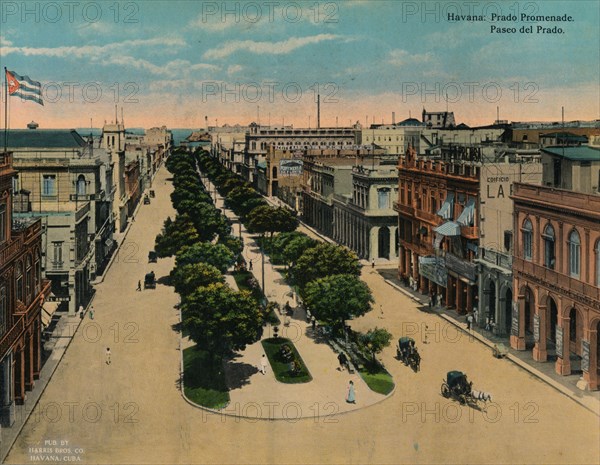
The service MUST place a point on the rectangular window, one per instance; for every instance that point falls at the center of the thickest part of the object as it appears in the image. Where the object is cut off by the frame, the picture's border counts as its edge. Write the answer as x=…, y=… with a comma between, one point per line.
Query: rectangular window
x=3, y=222
x=507, y=241
x=48, y=185
x=383, y=199
x=57, y=258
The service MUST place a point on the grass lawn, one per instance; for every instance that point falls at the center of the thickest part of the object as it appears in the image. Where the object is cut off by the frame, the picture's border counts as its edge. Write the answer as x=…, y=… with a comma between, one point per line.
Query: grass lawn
x=200, y=384
x=282, y=368
x=377, y=378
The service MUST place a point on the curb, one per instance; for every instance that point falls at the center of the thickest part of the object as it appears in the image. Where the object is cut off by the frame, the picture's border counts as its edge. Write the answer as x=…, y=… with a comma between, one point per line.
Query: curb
x=517, y=361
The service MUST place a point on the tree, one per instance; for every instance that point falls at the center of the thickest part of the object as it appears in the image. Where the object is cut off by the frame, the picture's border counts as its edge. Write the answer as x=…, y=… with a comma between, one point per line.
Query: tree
x=233, y=243
x=337, y=298
x=220, y=320
x=296, y=247
x=216, y=255
x=375, y=340
x=324, y=260
x=266, y=219
x=238, y=196
x=175, y=236
x=189, y=277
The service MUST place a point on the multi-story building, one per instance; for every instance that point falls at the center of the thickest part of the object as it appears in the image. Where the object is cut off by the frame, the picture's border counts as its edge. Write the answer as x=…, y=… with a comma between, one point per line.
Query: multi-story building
x=259, y=138
x=22, y=294
x=65, y=181
x=394, y=138
x=364, y=220
x=438, y=205
x=532, y=132
x=501, y=168
x=438, y=119
x=556, y=263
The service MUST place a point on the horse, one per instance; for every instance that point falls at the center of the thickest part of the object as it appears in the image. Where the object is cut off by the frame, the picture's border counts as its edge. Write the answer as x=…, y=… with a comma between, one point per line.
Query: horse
x=481, y=395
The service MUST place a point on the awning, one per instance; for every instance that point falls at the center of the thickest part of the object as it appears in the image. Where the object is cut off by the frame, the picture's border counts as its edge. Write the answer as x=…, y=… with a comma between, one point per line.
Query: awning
x=438, y=240
x=447, y=207
x=449, y=228
x=467, y=216
x=48, y=309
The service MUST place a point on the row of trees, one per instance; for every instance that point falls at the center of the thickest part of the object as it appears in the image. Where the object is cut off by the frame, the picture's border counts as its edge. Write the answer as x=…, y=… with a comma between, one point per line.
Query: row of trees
x=327, y=275
x=217, y=318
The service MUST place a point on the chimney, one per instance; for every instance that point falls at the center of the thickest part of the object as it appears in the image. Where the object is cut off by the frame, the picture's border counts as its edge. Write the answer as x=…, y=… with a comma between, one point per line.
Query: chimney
x=318, y=111
x=393, y=117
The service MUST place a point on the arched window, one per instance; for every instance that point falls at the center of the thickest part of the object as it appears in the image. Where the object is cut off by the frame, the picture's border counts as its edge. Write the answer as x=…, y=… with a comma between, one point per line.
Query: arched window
x=549, y=256
x=598, y=263
x=574, y=254
x=527, y=233
x=81, y=185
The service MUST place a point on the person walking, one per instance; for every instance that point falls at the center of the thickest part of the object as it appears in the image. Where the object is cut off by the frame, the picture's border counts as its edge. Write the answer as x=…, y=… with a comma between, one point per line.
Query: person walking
x=108, y=354
x=81, y=312
x=91, y=312
x=250, y=265
x=313, y=322
x=351, y=395
x=469, y=321
x=139, y=288
x=263, y=364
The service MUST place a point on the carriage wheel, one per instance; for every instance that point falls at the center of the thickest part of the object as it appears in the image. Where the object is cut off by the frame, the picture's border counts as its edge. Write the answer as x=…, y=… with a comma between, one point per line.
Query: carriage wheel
x=445, y=390
x=462, y=399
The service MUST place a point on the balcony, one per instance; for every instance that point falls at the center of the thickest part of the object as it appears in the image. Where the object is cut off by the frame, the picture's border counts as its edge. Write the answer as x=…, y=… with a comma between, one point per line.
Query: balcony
x=405, y=210
x=555, y=279
x=428, y=217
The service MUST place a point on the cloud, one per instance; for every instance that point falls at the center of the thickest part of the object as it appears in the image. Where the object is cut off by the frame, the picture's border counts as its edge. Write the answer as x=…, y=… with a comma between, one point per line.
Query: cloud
x=232, y=69
x=399, y=57
x=4, y=41
x=91, y=51
x=267, y=48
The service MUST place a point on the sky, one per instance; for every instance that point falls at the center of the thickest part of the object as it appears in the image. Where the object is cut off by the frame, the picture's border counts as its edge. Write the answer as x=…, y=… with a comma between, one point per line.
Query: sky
x=177, y=63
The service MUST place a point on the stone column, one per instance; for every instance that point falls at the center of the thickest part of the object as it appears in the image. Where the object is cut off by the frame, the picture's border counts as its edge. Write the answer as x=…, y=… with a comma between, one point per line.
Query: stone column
x=518, y=342
x=401, y=263
x=540, y=351
x=393, y=251
x=591, y=375
x=459, y=297
x=563, y=361
x=374, y=241
x=469, y=298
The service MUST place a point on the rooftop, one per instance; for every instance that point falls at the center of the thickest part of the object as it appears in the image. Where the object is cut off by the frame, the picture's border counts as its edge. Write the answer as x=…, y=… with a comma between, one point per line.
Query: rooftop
x=43, y=138
x=580, y=153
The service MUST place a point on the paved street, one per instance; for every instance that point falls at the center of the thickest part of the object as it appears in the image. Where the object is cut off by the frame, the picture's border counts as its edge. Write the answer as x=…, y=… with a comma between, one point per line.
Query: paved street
x=131, y=411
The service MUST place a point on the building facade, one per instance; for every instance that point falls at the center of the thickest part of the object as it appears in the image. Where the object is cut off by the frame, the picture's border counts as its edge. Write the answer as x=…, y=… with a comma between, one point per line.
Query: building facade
x=556, y=277
x=438, y=205
x=365, y=221
x=22, y=294
x=66, y=182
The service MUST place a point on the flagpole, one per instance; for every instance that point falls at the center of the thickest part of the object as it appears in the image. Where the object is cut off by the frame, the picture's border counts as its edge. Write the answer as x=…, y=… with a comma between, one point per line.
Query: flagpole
x=5, y=110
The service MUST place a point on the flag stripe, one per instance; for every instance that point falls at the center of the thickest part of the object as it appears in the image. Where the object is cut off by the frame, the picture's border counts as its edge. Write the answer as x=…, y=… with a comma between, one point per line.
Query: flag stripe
x=25, y=79
x=32, y=97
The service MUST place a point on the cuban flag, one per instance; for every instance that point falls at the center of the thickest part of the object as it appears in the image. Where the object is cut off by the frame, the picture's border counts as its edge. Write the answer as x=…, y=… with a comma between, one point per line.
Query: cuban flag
x=22, y=86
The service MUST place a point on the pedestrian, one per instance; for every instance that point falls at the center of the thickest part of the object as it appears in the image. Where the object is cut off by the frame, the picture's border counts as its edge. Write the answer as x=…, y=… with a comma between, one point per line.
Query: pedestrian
x=313, y=322
x=81, y=312
x=351, y=395
x=91, y=312
x=263, y=364
x=430, y=301
x=373, y=264
x=139, y=288
x=108, y=354
x=250, y=265
x=469, y=321
x=381, y=312
x=487, y=323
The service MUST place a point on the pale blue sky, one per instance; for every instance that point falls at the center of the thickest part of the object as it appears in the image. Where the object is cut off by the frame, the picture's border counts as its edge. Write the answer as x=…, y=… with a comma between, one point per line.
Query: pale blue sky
x=192, y=59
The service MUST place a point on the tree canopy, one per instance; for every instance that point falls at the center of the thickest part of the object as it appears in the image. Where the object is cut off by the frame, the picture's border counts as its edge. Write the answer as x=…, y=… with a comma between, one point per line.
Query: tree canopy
x=267, y=219
x=221, y=320
x=375, y=340
x=324, y=260
x=190, y=277
x=175, y=236
x=337, y=298
x=216, y=255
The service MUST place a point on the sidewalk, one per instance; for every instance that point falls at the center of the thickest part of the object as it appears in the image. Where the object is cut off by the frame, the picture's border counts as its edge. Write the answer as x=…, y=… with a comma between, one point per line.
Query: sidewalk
x=59, y=340
x=542, y=370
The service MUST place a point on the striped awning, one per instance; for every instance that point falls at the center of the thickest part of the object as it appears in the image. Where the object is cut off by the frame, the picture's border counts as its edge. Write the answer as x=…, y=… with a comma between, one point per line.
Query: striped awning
x=467, y=216
x=449, y=228
x=48, y=309
x=447, y=207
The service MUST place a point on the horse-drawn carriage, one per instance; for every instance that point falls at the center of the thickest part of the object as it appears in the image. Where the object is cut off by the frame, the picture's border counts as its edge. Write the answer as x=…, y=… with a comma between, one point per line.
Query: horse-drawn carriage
x=408, y=353
x=458, y=387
